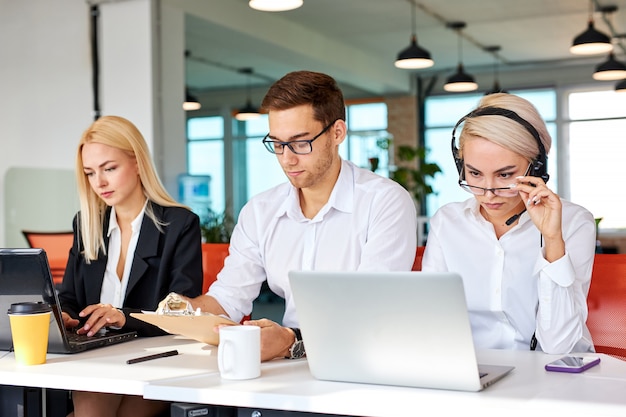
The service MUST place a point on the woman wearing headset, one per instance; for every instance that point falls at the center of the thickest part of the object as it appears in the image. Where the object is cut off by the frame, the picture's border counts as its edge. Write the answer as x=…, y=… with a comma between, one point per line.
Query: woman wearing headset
x=525, y=254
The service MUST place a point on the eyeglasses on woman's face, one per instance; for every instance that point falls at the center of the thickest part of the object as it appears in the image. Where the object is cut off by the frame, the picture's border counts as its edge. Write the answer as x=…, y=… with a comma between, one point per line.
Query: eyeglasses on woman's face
x=299, y=147
x=508, y=191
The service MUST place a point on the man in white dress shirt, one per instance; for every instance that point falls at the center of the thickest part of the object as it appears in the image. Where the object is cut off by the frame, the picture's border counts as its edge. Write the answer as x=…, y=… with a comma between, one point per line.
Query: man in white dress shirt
x=331, y=215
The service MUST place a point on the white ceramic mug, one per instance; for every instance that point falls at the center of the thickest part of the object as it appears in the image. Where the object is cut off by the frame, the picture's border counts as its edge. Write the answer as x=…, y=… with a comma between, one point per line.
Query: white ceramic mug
x=239, y=352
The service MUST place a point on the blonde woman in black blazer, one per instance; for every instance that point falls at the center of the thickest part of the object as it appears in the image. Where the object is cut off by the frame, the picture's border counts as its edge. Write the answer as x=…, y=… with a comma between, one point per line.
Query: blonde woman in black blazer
x=133, y=245
x=164, y=262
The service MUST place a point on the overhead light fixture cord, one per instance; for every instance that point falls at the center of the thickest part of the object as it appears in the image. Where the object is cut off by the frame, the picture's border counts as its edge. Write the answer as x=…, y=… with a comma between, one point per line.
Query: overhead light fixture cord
x=95, y=61
x=249, y=111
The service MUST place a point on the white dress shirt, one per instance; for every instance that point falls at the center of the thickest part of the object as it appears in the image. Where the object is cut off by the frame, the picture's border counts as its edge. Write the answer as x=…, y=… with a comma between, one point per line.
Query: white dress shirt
x=511, y=290
x=368, y=224
x=113, y=288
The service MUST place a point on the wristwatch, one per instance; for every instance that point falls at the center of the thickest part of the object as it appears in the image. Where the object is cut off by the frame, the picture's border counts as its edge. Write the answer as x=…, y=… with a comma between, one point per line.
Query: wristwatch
x=296, y=350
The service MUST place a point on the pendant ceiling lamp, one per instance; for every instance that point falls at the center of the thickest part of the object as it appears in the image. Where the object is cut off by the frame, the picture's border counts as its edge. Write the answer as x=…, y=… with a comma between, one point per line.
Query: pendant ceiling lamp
x=496, y=83
x=591, y=41
x=610, y=70
x=275, y=5
x=413, y=57
x=460, y=81
x=191, y=102
x=621, y=87
x=247, y=112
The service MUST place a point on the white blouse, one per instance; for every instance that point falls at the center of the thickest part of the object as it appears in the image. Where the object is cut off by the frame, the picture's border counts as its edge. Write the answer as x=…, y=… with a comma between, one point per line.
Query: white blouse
x=512, y=292
x=113, y=288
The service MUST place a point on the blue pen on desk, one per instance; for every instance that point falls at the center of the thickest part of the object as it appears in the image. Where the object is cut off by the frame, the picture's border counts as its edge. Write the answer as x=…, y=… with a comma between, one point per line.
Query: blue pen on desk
x=150, y=357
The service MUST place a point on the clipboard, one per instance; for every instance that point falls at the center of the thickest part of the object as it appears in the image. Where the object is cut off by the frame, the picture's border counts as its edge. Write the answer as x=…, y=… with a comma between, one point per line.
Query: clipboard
x=197, y=327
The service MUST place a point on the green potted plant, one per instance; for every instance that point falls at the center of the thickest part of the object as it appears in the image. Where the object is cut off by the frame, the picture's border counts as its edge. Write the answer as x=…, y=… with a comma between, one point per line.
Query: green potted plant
x=414, y=178
x=411, y=170
x=217, y=228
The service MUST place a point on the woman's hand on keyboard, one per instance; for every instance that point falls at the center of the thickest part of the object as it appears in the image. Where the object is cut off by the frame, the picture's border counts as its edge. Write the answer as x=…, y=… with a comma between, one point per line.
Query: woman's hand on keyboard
x=99, y=316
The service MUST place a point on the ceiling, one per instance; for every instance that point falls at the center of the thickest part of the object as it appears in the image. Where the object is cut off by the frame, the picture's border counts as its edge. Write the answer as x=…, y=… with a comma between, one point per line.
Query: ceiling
x=356, y=41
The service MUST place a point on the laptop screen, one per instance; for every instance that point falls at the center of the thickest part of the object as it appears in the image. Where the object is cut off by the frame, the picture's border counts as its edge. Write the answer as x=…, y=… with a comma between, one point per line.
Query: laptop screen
x=21, y=272
x=25, y=276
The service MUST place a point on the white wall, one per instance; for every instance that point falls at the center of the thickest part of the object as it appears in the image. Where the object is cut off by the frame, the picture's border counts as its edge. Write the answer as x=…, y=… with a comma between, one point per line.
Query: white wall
x=45, y=82
x=46, y=75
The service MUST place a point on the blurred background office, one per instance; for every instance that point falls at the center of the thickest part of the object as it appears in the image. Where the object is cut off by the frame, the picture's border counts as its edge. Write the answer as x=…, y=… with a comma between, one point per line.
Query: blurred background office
x=66, y=62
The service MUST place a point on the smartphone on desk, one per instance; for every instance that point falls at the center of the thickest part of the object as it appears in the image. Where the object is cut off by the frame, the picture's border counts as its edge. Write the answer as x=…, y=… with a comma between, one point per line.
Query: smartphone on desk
x=573, y=364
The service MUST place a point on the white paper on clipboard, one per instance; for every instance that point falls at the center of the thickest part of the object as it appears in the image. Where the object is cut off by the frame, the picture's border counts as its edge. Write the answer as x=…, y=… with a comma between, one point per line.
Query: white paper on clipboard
x=197, y=327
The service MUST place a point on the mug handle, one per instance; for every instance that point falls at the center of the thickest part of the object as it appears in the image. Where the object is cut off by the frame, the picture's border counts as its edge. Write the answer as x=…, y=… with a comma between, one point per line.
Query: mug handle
x=224, y=356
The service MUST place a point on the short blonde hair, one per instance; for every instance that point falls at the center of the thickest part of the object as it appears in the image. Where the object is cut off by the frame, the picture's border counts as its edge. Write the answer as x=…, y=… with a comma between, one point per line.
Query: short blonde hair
x=506, y=132
x=119, y=133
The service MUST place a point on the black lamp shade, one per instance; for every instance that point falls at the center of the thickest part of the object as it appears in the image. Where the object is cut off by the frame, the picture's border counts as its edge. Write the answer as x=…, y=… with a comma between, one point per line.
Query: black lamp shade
x=414, y=57
x=460, y=81
x=247, y=112
x=591, y=42
x=191, y=102
x=610, y=70
x=621, y=86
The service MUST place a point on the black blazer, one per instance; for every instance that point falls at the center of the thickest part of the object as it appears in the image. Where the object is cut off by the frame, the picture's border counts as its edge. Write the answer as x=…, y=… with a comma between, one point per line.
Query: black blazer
x=163, y=263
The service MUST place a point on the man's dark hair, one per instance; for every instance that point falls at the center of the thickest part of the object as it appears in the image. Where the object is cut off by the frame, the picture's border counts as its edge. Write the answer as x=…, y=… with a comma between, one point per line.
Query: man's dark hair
x=307, y=87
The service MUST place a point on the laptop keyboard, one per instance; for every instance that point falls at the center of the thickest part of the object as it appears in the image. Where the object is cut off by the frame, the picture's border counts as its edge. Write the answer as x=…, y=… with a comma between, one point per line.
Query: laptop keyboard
x=78, y=338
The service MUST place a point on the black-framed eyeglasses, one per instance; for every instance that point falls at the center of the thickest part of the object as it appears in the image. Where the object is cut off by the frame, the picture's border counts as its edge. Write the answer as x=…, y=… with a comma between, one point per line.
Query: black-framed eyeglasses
x=509, y=191
x=299, y=147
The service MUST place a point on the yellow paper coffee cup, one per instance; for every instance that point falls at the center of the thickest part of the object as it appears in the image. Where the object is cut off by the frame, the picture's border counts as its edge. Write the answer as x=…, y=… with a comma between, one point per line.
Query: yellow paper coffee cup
x=30, y=324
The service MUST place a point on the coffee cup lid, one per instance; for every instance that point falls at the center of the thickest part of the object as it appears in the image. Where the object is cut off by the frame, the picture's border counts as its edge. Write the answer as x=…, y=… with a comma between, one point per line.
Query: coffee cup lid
x=29, y=307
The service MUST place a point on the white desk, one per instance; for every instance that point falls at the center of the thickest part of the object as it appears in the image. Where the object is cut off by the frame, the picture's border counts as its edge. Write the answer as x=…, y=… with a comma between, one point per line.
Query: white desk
x=287, y=385
x=106, y=370
x=529, y=390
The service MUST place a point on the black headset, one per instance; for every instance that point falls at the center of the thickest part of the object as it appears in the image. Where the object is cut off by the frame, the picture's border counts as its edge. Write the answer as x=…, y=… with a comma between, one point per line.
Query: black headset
x=539, y=165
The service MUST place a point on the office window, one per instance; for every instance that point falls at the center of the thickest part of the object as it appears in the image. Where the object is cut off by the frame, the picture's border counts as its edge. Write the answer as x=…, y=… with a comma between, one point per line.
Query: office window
x=443, y=112
x=205, y=155
x=367, y=129
x=597, y=145
x=263, y=171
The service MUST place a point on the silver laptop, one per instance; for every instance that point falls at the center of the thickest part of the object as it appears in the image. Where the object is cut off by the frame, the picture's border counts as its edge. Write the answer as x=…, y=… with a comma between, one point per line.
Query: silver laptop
x=25, y=276
x=391, y=328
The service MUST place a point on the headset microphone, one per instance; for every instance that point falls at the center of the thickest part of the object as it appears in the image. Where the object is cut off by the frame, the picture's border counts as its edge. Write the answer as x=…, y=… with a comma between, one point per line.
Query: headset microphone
x=514, y=217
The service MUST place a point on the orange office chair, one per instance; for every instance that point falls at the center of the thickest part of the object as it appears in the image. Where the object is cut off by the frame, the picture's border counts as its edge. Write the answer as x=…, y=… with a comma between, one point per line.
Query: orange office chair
x=417, y=263
x=213, y=256
x=607, y=304
x=57, y=246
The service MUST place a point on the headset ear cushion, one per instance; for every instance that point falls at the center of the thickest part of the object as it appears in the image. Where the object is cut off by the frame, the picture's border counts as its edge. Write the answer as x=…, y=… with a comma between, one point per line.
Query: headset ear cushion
x=458, y=161
x=538, y=169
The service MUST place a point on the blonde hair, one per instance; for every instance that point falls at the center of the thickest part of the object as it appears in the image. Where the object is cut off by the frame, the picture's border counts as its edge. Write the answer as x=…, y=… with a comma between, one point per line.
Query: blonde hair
x=506, y=132
x=119, y=133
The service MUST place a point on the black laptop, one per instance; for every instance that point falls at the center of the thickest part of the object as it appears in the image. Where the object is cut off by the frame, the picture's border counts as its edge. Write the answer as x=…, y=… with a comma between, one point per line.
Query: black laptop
x=25, y=276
